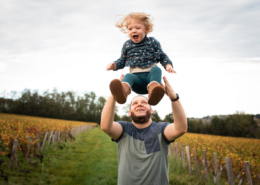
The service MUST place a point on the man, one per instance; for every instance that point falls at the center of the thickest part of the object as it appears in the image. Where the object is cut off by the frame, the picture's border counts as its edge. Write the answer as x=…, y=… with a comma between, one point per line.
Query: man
x=143, y=144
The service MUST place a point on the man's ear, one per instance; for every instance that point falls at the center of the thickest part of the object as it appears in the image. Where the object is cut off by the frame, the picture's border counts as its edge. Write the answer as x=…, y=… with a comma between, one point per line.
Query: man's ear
x=129, y=113
x=151, y=111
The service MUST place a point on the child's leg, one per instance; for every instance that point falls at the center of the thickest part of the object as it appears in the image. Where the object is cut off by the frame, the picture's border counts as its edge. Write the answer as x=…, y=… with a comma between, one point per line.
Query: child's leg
x=137, y=82
x=155, y=90
x=155, y=75
x=130, y=79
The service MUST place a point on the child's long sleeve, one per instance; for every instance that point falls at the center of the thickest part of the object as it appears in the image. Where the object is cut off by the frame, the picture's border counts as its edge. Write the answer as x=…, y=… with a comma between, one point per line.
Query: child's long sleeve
x=120, y=63
x=143, y=55
x=164, y=59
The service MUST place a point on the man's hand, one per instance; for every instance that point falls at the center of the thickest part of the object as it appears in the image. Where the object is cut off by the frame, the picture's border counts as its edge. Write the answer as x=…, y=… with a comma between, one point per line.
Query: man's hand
x=169, y=68
x=111, y=66
x=168, y=89
x=121, y=77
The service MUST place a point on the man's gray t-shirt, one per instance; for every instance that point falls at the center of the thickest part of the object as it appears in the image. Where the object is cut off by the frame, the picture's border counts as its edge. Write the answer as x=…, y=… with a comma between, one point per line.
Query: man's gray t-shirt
x=143, y=155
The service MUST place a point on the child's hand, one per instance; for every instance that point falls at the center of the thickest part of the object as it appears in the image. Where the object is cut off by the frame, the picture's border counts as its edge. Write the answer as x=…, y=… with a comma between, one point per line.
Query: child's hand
x=170, y=69
x=111, y=66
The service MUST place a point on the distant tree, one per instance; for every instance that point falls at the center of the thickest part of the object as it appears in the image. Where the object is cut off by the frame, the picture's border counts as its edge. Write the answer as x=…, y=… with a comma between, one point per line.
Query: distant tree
x=117, y=117
x=99, y=107
x=155, y=116
x=195, y=126
x=218, y=126
x=242, y=125
x=168, y=118
x=126, y=118
x=126, y=108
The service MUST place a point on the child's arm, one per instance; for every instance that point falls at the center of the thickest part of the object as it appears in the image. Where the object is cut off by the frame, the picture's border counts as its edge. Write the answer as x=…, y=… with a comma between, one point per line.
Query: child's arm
x=119, y=63
x=111, y=66
x=169, y=68
x=164, y=59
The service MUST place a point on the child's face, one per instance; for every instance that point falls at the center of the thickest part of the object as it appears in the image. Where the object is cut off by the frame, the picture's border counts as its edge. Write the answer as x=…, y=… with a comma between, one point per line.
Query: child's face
x=136, y=30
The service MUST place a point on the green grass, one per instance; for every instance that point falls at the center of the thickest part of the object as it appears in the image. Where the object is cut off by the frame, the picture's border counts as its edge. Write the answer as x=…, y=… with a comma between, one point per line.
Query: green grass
x=90, y=160
x=178, y=176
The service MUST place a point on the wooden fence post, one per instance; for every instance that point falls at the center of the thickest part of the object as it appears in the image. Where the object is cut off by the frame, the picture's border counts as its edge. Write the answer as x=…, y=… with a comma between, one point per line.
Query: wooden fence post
x=196, y=162
x=58, y=135
x=29, y=146
x=50, y=137
x=183, y=159
x=248, y=174
x=205, y=165
x=13, y=155
x=188, y=157
x=65, y=135
x=54, y=139
x=80, y=129
x=217, y=172
x=77, y=130
x=44, y=140
x=72, y=131
x=176, y=149
x=230, y=174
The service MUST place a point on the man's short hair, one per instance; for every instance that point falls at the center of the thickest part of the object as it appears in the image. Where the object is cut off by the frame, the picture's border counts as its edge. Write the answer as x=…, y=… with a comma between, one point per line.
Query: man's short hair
x=134, y=98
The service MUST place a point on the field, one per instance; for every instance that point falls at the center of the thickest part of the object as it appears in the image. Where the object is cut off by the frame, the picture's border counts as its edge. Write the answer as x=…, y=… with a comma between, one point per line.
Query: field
x=238, y=149
x=21, y=127
x=96, y=144
x=90, y=159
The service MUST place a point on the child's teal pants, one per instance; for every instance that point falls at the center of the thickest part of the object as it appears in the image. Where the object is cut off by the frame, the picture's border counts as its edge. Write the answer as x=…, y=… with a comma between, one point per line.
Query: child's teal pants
x=139, y=81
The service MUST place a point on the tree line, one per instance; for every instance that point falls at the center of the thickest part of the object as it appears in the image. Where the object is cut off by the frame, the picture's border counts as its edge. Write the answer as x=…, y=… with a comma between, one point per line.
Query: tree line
x=88, y=107
x=63, y=105
x=236, y=125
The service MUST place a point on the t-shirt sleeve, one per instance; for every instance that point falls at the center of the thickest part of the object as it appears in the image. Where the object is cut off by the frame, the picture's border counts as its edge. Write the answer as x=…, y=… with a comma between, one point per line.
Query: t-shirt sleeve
x=122, y=123
x=165, y=124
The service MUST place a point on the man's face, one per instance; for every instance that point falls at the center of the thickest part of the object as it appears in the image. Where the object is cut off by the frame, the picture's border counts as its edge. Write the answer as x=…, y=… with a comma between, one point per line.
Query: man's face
x=140, y=110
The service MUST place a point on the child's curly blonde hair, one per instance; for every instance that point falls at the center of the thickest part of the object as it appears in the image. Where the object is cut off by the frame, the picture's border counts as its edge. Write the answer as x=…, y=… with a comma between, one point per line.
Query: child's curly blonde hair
x=143, y=17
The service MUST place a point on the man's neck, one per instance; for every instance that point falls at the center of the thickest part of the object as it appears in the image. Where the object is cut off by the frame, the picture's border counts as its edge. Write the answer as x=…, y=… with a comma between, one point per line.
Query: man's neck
x=143, y=125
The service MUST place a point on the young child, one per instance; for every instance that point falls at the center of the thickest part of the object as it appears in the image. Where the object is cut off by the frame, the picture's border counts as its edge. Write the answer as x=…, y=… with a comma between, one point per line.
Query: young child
x=141, y=54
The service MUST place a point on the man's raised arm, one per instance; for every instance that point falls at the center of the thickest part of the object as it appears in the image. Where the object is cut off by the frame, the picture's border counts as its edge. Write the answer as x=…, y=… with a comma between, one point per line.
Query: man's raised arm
x=179, y=127
x=111, y=128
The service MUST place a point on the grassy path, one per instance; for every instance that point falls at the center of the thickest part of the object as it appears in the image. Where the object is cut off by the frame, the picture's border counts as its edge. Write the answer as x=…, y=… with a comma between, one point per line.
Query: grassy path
x=95, y=158
x=91, y=159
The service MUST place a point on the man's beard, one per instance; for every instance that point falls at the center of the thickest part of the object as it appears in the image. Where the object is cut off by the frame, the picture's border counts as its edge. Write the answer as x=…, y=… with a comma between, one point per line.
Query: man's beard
x=141, y=120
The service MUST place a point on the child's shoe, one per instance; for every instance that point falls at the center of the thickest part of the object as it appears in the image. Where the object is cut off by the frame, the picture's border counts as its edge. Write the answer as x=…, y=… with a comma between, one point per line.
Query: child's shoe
x=155, y=93
x=119, y=90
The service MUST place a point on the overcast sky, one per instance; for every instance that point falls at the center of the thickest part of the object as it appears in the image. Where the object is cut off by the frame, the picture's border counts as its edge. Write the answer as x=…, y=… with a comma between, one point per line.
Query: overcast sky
x=214, y=46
